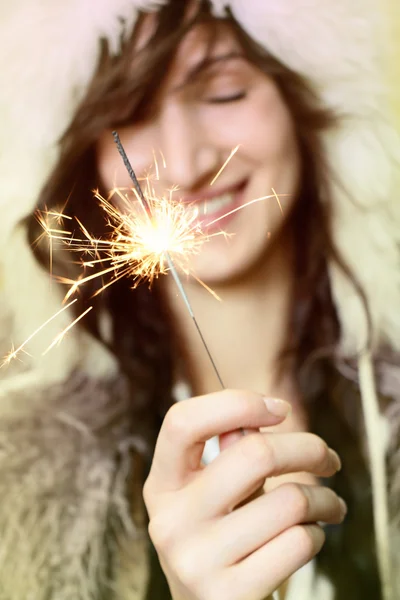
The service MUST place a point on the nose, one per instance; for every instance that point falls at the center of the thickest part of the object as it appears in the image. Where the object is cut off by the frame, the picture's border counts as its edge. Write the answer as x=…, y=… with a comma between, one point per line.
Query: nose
x=191, y=155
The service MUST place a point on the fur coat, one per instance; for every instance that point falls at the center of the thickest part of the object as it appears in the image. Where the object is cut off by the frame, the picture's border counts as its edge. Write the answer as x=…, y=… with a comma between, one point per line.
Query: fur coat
x=73, y=525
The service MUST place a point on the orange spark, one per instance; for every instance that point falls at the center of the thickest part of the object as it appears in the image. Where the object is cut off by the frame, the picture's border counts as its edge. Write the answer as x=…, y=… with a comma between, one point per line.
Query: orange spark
x=50, y=221
x=156, y=166
x=277, y=199
x=225, y=164
x=62, y=334
x=14, y=352
x=163, y=159
x=249, y=203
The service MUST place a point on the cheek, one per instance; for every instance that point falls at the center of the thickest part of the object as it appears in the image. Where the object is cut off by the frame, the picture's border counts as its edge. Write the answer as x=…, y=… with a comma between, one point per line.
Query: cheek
x=270, y=134
x=270, y=144
x=261, y=124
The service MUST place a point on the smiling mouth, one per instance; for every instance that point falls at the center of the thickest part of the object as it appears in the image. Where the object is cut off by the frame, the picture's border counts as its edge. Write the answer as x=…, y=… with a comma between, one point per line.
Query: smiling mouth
x=218, y=205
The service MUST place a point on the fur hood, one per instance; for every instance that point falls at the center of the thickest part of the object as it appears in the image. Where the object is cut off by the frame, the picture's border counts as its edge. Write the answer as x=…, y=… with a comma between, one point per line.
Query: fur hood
x=65, y=440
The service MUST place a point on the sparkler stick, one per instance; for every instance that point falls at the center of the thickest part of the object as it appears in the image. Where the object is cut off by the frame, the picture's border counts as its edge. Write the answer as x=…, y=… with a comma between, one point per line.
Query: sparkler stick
x=189, y=307
x=169, y=260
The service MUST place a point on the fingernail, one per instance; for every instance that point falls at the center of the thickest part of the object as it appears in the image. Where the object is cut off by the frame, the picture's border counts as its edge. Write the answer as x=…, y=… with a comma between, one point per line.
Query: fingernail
x=277, y=407
x=343, y=506
x=336, y=459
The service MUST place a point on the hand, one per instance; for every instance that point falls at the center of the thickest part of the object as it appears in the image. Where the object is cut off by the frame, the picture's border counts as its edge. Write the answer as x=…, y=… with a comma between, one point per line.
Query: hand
x=209, y=549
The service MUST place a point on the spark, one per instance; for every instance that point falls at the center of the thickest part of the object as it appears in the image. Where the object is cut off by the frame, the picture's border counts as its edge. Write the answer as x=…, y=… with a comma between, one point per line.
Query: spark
x=277, y=199
x=50, y=221
x=15, y=352
x=156, y=166
x=58, y=339
x=225, y=164
x=163, y=159
x=249, y=203
x=59, y=215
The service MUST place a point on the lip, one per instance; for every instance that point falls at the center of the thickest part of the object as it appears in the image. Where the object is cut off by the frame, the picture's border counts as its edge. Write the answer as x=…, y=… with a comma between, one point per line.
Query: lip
x=213, y=193
x=214, y=220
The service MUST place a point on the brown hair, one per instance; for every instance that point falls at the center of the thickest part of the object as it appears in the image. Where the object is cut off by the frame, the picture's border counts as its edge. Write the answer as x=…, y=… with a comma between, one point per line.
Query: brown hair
x=142, y=332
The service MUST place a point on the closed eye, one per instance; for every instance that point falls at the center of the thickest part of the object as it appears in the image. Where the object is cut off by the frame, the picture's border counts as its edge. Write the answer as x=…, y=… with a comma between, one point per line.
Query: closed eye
x=226, y=99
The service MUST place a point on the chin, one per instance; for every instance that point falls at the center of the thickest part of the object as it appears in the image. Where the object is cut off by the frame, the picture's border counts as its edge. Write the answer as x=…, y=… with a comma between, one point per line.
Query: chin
x=231, y=265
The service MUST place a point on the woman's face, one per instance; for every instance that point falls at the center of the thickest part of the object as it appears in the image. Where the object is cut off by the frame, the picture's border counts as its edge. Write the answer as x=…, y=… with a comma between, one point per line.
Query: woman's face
x=200, y=118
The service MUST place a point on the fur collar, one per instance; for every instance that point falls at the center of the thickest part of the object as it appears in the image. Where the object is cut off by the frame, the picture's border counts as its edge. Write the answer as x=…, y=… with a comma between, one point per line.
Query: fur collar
x=67, y=457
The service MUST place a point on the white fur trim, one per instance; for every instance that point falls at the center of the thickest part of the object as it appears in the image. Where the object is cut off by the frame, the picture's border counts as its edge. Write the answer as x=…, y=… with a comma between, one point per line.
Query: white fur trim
x=366, y=228
x=49, y=50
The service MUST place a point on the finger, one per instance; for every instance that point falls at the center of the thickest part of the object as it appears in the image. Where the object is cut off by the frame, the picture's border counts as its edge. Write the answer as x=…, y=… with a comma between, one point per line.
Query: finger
x=266, y=517
x=190, y=423
x=265, y=570
x=227, y=439
x=238, y=471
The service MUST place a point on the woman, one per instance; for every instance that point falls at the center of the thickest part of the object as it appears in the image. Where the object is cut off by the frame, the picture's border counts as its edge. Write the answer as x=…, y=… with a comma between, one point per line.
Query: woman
x=307, y=284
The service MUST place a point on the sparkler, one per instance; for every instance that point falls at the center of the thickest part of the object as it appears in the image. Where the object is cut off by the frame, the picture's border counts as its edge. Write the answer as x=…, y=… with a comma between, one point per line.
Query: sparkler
x=150, y=235
x=146, y=206
x=168, y=257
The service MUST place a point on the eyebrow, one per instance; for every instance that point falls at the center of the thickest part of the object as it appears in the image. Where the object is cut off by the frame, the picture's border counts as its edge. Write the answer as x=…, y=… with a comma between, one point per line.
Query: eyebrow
x=206, y=64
